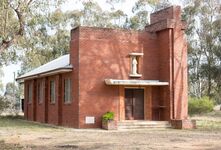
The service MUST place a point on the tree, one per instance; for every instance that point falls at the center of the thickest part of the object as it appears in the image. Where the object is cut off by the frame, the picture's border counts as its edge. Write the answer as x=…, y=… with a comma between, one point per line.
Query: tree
x=4, y=104
x=204, y=42
x=1, y=84
x=141, y=11
x=11, y=97
x=50, y=36
x=15, y=16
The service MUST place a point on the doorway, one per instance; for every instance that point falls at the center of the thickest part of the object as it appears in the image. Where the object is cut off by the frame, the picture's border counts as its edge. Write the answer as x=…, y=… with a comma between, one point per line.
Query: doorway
x=134, y=104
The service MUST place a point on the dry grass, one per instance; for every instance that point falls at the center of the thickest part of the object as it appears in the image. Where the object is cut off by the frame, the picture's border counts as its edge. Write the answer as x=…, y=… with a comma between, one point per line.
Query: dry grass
x=210, y=121
x=16, y=133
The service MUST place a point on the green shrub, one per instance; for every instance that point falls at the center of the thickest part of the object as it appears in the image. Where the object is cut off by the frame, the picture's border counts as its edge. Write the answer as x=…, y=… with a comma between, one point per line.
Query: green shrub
x=200, y=105
x=3, y=104
x=108, y=116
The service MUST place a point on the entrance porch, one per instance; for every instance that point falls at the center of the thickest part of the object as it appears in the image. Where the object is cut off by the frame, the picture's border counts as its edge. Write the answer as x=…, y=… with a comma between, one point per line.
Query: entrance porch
x=142, y=100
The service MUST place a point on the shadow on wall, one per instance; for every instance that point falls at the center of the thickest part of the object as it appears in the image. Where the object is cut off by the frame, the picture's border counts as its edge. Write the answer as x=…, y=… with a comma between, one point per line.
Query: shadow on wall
x=104, y=54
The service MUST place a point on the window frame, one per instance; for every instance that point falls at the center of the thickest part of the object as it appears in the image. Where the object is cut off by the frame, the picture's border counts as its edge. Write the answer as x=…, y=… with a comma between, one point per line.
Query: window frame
x=30, y=92
x=52, y=92
x=67, y=91
x=40, y=92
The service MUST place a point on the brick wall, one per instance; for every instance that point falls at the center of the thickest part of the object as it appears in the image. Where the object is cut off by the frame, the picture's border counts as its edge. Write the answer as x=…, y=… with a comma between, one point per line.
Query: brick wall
x=74, y=58
x=169, y=28
x=28, y=105
x=68, y=109
x=103, y=53
x=53, y=107
x=40, y=104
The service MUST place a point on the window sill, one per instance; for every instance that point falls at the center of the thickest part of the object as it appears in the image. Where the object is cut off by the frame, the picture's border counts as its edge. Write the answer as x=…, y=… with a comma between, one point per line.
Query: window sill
x=67, y=103
x=135, y=75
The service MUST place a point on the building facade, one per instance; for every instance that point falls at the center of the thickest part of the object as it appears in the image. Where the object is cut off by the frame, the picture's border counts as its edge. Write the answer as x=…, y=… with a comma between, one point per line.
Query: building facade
x=138, y=75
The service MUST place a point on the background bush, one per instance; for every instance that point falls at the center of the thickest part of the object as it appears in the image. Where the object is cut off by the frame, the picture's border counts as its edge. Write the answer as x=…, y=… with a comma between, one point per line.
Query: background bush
x=200, y=105
x=4, y=104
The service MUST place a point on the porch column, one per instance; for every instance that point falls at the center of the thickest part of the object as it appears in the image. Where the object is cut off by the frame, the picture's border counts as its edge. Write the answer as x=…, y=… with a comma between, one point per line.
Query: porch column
x=121, y=103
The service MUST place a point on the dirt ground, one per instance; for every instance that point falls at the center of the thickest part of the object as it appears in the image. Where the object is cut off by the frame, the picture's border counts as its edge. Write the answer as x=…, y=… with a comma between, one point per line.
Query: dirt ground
x=20, y=134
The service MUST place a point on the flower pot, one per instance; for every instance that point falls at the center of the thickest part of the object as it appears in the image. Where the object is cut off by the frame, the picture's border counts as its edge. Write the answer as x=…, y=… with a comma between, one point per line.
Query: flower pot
x=109, y=125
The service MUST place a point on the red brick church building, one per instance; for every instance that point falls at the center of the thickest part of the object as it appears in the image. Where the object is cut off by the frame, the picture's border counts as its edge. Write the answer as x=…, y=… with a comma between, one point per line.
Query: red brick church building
x=138, y=75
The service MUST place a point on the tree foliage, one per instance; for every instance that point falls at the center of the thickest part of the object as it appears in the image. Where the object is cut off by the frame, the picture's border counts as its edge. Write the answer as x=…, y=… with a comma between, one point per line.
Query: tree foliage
x=4, y=104
x=1, y=75
x=204, y=44
x=15, y=17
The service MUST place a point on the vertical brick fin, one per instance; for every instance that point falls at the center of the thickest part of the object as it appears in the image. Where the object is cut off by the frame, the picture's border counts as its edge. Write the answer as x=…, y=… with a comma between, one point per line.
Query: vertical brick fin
x=25, y=101
x=46, y=99
x=74, y=60
x=180, y=74
x=60, y=99
x=173, y=58
x=34, y=99
x=172, y=12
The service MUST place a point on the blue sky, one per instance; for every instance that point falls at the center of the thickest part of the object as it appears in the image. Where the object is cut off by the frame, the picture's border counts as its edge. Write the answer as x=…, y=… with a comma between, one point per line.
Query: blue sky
x=70, y=5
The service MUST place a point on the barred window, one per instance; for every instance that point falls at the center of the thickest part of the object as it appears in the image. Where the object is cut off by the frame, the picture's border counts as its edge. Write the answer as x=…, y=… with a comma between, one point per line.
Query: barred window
x=67, y=90
x=52, y=91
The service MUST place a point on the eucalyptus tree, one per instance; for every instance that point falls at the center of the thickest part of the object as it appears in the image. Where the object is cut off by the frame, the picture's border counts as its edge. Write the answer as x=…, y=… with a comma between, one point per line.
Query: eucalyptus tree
x=142, y=10
x=14, y=17
x=204, y=42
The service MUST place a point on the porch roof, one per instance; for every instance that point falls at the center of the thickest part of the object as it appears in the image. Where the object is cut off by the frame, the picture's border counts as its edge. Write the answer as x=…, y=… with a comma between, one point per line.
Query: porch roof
x=135, y=82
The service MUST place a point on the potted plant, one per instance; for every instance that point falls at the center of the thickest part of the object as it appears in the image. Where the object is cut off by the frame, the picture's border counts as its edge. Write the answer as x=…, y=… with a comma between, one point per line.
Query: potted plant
x=108, y=121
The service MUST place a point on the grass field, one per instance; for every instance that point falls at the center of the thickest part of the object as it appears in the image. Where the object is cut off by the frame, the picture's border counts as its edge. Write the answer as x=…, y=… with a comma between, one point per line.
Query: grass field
x=16, y=133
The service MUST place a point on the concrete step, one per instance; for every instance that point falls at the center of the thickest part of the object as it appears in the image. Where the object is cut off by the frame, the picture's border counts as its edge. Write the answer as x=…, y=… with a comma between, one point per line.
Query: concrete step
x=137, y=124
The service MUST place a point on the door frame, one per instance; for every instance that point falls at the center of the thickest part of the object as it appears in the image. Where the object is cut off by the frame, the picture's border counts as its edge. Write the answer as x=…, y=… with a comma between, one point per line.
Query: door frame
x=147, y=101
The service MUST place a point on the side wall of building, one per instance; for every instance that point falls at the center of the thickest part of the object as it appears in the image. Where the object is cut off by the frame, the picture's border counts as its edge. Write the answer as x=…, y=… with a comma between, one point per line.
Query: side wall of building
x=43, y=110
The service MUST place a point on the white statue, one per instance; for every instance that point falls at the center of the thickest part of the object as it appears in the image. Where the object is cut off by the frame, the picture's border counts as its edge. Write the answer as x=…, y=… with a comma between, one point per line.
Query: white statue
x=134, y=65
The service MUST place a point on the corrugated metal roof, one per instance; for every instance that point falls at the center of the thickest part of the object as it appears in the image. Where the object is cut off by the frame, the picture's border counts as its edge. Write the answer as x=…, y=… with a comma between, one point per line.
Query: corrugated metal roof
x=62, y=62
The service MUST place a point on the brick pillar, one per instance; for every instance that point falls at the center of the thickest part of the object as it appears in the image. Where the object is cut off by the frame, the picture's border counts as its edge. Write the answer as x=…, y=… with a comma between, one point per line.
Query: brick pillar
x=34, y=99
x=46, y=99
x=169, y=28
x=74, y=60
x=25, y=101
x=60, y=99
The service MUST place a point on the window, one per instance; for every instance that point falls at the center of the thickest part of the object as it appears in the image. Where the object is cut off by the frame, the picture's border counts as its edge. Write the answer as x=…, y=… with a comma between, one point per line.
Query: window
x=52, y=91
x=29, y=92
x=40, y=92
x=67, y=90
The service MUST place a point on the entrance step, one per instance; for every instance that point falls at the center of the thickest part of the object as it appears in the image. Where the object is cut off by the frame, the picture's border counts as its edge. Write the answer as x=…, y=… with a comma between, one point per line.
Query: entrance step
x=141, y=124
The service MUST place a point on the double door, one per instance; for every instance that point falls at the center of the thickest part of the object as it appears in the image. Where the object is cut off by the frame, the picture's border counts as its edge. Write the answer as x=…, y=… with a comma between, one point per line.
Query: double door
x=134, y=104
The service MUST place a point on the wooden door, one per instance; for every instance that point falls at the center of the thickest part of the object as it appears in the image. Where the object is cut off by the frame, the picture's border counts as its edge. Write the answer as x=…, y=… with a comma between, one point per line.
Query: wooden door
x=134, y=104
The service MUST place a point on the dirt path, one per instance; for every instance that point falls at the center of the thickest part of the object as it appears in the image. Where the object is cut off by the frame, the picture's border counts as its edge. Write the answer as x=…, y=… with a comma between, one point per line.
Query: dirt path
x=66, y=138
x=18, y=134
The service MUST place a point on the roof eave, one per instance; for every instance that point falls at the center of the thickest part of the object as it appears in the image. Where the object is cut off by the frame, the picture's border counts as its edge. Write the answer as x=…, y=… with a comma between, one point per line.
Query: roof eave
x=47, y=73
